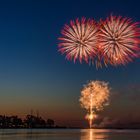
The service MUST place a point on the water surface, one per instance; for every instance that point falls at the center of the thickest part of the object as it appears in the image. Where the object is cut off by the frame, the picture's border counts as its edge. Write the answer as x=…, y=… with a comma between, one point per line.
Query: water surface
x=68, y=134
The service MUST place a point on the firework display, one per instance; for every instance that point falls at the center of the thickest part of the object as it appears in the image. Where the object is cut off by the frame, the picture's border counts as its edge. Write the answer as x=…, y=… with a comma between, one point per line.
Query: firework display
x=79, y=40
x=94, y=96
x=114, y=41
x=119, y=40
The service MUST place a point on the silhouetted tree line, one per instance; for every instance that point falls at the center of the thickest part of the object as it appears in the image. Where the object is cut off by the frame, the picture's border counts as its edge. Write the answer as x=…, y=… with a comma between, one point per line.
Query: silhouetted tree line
x=30, y=121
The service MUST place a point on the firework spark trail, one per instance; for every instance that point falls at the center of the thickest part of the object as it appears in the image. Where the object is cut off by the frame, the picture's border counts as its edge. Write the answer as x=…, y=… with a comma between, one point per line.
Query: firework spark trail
x=91, y=112
x=119, y=40
x=94, y=96
x=79, y=40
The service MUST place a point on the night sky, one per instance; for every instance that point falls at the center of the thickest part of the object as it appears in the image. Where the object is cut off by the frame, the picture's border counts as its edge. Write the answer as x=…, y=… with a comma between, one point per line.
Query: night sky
x=34, y=75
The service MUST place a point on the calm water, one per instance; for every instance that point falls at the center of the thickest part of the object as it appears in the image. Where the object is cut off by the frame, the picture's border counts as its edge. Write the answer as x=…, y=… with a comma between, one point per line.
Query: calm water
x=69, y=134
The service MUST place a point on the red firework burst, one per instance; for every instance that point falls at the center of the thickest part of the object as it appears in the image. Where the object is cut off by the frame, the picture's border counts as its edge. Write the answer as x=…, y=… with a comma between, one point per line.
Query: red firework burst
x=79, y=40
x=118, y=40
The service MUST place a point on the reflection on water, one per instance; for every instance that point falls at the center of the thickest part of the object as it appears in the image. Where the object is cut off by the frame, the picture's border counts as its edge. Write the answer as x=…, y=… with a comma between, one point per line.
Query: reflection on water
x=93, y=134
x=68, y=134
x=109, y=134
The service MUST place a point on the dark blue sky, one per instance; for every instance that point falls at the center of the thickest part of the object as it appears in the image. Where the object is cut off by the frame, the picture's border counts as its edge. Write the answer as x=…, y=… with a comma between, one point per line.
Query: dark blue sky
x=33, y=74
